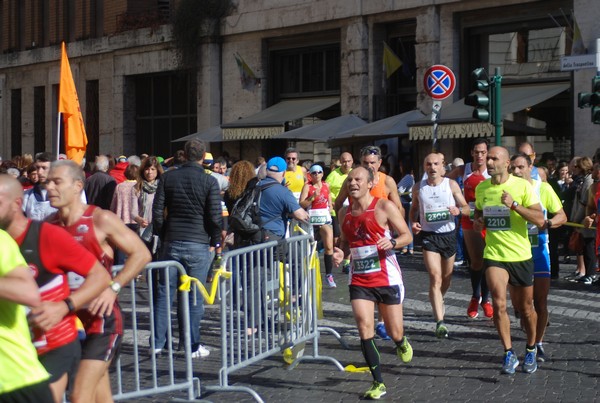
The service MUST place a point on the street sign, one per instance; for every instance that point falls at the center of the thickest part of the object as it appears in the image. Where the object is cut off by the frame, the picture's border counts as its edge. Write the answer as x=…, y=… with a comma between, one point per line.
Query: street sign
x=439, y=82
x=578, y=62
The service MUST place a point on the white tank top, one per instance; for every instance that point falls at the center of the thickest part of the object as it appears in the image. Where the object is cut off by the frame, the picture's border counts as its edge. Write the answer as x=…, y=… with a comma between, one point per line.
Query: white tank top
x=433, y=203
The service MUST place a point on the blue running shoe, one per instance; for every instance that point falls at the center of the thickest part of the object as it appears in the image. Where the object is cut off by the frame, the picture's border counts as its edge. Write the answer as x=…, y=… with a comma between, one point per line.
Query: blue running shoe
x=511, y=362
x=530, y=363
x=381, y=332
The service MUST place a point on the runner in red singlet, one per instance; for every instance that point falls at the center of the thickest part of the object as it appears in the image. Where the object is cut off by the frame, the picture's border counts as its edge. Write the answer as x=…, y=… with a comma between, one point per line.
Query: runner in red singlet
x=375, y=274
x=98, y=230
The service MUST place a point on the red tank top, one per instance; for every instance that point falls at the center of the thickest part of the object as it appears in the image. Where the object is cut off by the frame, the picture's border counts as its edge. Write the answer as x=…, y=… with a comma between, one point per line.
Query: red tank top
x=371, y=266
x=322, y=199
x=471, y=181
x=84, y=233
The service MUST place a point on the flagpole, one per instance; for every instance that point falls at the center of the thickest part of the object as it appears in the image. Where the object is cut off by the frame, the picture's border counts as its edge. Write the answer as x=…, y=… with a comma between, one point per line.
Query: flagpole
x=58, y=135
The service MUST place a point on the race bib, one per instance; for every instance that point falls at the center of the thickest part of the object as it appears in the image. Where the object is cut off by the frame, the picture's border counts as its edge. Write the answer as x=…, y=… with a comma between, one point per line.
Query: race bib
x=496, y=218
x=534, y=235
x=437, y=213
x=319, y=216
x=365, y=259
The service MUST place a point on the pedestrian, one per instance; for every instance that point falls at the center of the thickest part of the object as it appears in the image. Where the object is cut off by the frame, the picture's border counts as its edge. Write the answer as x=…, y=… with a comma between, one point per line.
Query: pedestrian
x=187, y=215
x=405, y=192
x=294, y=176
x=504, y=204
x=121, y=204
x=538, y=237
x=35, y=200
x=375, y=275
x=242, y=176
x=436, y=202
x=473, y=173
x=54, y=254
x=142, y=198
x=98, y=231
x=316, y=198
x=23, y=379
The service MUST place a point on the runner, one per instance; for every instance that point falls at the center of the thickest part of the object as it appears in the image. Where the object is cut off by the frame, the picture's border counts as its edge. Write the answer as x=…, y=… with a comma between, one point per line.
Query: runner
x=473, y=174
x=436, y=201
x=538, y=236
x=96, y=230
x=316, y=198
x=503, y=205
x=294, y=176
x=52, y=253
x=375, y=276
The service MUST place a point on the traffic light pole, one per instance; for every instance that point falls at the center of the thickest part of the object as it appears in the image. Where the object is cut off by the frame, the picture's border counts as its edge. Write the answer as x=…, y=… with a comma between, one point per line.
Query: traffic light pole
x=497, y=105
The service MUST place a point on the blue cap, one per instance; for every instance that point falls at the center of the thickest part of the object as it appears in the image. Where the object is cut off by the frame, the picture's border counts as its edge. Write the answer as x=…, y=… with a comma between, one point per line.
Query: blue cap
x=316, y=168
x=276, y=164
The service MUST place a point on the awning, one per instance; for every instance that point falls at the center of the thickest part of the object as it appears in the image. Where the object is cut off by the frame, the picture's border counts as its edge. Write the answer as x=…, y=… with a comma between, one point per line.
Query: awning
x=392, y=126
x=212, y=134
x=457, y=121
x=271, y=121
x=325, y=129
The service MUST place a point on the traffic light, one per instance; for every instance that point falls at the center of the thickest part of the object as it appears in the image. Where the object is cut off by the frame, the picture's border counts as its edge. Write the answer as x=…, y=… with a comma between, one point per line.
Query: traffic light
x=591, y=100
x=481, y=99
x=595, y=100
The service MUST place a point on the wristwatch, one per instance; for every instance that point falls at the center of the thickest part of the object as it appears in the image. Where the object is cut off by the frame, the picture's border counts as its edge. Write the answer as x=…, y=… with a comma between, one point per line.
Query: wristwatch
x=514, y=205
x=116, y=287
x=393, y=242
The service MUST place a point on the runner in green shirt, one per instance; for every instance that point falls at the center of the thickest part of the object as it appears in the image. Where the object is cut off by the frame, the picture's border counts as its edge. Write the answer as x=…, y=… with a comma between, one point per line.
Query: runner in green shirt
x=504, y=205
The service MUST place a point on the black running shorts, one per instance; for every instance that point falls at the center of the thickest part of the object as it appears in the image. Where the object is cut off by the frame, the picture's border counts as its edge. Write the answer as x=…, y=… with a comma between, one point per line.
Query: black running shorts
x=520, y=274
x=444, y=244
x=391, y=295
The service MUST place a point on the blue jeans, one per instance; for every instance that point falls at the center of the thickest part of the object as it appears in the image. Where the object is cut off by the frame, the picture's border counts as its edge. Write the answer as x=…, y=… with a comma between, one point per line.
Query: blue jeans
x=196, y=260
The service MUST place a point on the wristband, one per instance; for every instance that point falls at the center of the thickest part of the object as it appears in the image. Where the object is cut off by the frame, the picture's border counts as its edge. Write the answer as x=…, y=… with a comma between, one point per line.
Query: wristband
x=393, y=242
x=514, y=205
x=70, y=305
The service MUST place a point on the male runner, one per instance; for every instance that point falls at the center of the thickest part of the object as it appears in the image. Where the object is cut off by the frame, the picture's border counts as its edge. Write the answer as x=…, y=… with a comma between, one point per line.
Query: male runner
x=294, y=177
x=538, y=236
x=23, y=379
x=436, y=201
x=473, y=174
x=98, y=231
x=375, y=277
x=51, y=253
x=504, y=204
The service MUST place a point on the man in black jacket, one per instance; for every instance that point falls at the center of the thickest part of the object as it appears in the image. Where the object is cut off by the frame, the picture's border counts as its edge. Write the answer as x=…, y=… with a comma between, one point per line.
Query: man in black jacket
x=187, y=216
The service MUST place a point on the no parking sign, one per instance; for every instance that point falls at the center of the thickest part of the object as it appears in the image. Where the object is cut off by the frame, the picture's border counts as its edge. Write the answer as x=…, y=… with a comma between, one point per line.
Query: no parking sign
x=439, y=82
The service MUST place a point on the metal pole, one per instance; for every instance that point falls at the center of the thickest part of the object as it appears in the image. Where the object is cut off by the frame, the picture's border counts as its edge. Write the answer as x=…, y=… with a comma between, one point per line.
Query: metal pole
x=497, y=99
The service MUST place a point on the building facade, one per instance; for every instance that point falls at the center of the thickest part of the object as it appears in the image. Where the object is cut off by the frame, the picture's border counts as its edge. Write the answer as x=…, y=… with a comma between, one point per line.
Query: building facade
x=136, y=96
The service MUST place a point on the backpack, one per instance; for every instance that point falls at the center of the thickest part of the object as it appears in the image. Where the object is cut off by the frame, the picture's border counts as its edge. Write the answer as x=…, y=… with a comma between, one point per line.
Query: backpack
x=244, y=218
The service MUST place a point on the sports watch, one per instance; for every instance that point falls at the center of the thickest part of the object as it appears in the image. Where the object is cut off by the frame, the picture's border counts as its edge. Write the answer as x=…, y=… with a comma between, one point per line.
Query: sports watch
x=116, y=287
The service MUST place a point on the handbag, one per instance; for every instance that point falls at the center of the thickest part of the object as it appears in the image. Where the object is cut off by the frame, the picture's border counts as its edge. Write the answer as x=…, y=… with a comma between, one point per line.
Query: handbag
x=576, y=242
x=147, y=233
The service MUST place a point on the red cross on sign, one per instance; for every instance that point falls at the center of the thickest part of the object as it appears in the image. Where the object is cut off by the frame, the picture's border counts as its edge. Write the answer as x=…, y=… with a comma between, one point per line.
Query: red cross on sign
x=439, y=82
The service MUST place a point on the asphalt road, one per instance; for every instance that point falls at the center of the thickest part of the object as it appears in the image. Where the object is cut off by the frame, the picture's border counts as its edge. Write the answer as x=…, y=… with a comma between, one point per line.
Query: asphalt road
x=464, y=368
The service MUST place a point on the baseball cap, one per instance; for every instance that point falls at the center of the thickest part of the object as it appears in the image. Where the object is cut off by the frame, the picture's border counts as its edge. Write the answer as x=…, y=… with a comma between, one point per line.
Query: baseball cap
x=160, y=159
x=208, y=158
x=276, y=164
x=316, y=168
x=122, y=158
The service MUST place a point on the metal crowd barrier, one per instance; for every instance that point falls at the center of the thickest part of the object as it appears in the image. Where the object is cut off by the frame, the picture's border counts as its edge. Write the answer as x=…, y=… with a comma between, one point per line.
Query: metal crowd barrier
x=138, y=318
x=268, y=306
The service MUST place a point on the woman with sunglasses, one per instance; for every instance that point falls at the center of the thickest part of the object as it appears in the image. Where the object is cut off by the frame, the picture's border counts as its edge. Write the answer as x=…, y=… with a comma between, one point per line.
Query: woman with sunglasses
x=316, y=198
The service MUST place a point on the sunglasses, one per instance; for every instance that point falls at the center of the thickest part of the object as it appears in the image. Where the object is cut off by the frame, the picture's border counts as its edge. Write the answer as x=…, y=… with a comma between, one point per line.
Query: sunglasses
x=316, y=172
x=291, y=159
x=370, y=151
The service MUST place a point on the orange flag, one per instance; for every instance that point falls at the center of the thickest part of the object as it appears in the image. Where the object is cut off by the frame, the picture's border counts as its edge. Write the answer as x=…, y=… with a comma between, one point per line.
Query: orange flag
x=68, y=105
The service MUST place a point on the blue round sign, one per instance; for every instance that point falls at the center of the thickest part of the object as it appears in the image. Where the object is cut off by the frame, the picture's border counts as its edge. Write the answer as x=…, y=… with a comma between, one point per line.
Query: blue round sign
x=439, y=82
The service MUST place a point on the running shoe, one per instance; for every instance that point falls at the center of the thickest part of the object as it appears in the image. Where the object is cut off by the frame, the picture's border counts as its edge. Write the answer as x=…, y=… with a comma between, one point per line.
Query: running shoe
x=155, y=351
x=376, y=392
x=530, y=363
x=587, y=280
x=541, y=354
x=511, y=362
x=201, y=352
x=405, y=351
x=488, y=309
x=458, y=263
x=441, y=331
x=473, y=309
x=381, y=332
x=330, y=281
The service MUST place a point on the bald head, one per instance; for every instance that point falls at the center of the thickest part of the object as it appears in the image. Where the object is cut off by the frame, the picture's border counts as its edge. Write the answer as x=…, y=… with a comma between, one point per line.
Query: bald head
x=10, y=187
x=346, y=162
x=500, y=151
